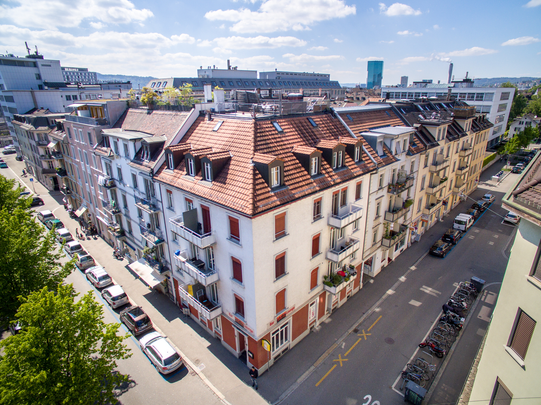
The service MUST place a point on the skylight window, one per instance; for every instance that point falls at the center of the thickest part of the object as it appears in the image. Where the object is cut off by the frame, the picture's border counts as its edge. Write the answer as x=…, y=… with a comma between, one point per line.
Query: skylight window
x=231, y=83
x=217, y=126
x=312, y=122
x=349, y=117
x=387, y=112
x=277, y=126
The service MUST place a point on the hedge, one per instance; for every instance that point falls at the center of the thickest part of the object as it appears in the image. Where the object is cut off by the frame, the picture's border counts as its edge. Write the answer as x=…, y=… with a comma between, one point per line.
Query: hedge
x=489, y=159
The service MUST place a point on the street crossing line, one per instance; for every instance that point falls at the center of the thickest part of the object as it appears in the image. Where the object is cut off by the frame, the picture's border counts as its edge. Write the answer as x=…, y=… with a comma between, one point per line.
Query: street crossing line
x=415, y=303
x=430, y=291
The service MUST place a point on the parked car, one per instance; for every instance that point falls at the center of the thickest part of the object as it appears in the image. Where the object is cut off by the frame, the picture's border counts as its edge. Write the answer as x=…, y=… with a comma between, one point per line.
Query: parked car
x=98, y=277
x=511, y=217
x=136, y=320
x=489, y=198
x=480, y=205
x=63, y=235
x=519, y=167
x=45, y=215
x=441, y=248
x=49, y=223
x=73, y=247
x=36, y=201
x=84, y=261
x=160, y=352
x=475, y=213
x=3, y=165
x=19, y=158
x=115, y=296
x=452, y=235
x=9, y=150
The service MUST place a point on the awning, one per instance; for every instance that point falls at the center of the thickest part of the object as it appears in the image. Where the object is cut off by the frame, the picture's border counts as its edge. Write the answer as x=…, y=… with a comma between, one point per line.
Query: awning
x=146, y=273
x=52, y=144
x=80, y=211
x=101, y=180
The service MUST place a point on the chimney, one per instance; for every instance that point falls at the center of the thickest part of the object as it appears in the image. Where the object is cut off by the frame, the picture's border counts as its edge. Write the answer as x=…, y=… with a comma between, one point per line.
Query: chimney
x=209, y=116
x=449, y=94
x=228, y=65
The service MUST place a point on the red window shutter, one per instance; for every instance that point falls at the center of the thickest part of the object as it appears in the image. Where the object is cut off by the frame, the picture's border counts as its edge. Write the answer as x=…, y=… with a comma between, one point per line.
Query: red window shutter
x=315, y=245
x=523, y=334
x=279, y=225
x=234, y=229
x=237, y=270
x=239, y=306
x=280, y=265
x=313, y=278
x=358, y=190
x=280, y=301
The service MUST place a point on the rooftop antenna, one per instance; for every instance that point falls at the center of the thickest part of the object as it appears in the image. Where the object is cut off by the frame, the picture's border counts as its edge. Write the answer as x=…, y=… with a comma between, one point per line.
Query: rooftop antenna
x=37, y=53
x=27, y=48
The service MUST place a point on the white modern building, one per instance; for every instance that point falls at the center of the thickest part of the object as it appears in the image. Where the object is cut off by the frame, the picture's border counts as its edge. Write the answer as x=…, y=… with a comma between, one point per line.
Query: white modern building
x=519, y=124
x=79, y=75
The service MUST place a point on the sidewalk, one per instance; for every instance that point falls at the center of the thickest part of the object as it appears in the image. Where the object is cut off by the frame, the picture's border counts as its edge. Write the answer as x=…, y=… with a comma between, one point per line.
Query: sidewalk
x=205, y=356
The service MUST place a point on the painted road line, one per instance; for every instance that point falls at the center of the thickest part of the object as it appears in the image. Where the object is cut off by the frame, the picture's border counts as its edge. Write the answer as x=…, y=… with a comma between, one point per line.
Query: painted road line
x=374, y=324
x=364, y=334
x=325, y=376
x=351, y=348
x=340, y=360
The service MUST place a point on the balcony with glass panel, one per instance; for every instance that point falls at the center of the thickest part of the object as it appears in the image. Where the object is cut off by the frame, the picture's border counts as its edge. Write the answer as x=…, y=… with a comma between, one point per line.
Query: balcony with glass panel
x=192, y=231
x=205, y=307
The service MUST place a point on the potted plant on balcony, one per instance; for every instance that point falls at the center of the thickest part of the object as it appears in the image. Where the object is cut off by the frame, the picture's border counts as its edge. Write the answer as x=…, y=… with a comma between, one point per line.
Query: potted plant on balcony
x=386, y=231
x=408, y=203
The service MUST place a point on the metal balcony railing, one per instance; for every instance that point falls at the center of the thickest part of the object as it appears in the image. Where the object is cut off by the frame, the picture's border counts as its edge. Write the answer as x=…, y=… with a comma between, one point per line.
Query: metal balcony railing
x=201, y=240
x=346, y=216
x=398, y=187
x=207, y=309
x=197, y=269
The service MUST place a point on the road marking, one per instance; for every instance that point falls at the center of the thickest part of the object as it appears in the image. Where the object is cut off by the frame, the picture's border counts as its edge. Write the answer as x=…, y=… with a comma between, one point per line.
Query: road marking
x=472, y=237
x=491, y=243
x=414, y=303
x=481, y=332
x=476, y=230
x=413, y=268
x=364, y=334
x=374, y=324
x=325, y=376
x=390, y=292
x=351, y=348
x=430, y=291
x=489, y=297
x=496, y=236
x=484, y=313
x=340, y=360
x=403, y=279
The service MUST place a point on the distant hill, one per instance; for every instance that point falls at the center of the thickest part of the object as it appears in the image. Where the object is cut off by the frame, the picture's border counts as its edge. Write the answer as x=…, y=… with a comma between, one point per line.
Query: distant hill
x=496, y=81
x=136, y=81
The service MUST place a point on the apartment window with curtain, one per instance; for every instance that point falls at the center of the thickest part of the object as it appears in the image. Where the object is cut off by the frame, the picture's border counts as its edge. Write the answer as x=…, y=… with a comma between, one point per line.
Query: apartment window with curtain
x=280, y=225
x=134, y=180
x=280, y=265
x=119, y=171
x=315, y=245
x=234, y=231
x=237, y=269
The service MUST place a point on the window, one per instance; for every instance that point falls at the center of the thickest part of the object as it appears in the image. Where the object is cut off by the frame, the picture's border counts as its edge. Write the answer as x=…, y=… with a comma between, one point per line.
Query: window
x=169, y=194
x=280, y=225
x=130, y=229
x=358, y=190
x=334, y=158
x=124, y=201
x=340, y=157
x=378, y=208
x=312, y=122
x=313, y=278
x=190, y=167
x=522, y=334
x=275, y=176
x=500, y=394
x=280, y=337
x=423, y=182
x=119, y=171
x=208, y=171
x=280, y=265
x=139, y=213
x=69, y=132
x=316, y=214
x=505, y=96
x=375, y=237
x=126, y=150
x=239, y=306
x=315, y=245
x=134, y=180
x=412, y=167
x=280, y=301
x=314, y=166
x=357, y=153
x=502, y=107
x=355, y=225
x=380, y=184
x=343, y=197
x=90, y=141
x=237, y=270
x=277, y=126
x=234, y=233
x=189, y=204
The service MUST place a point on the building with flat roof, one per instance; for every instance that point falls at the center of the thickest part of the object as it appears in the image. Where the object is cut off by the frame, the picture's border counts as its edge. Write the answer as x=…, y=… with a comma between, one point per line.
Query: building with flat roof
x=404, y=81
x=79, y=75
x=375, y=74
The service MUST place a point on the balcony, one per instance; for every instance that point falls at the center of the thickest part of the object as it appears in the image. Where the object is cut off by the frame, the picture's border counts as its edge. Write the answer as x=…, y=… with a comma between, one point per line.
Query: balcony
x=65, y=190
x=462, y=170
x=109, y=183
x=207, y=309
x=148, y=205
x=111, y=208
x=394, y=237
x=47, y=170
x=42, y=142
x=196, y=269
x=459, y=189
x=87, y=120
x=437, y=186
x=465, y=152
x=341, y=252
x=46, y=157
x=350, y=214
x=336, y=282
x=399, y=186
x=431, y=208
x=201, y=240
x=464, y=111
x=154, y=237
x=57, y=155
x=438, y=166
x=393, y=216
x=160, y=265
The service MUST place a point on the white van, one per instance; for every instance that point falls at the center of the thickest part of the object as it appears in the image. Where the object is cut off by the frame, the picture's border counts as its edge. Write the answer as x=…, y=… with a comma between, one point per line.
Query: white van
x=45, y=215
x=463, y=222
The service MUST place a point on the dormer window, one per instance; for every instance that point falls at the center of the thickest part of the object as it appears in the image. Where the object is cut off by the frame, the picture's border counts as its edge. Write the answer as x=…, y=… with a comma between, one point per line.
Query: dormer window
x=207, y=171
x=314, y=166
x=275, y=176
x=190, y=167
x=146, y=152
x=357, y=156
x=170, y=162
x=337, y=159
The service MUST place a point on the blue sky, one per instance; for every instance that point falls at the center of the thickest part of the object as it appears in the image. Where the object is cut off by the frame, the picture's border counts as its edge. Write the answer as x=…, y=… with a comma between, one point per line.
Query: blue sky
x=415, y=38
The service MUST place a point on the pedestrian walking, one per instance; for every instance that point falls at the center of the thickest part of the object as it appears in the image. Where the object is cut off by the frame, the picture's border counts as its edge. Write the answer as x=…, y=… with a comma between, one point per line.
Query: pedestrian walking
x=254, y=374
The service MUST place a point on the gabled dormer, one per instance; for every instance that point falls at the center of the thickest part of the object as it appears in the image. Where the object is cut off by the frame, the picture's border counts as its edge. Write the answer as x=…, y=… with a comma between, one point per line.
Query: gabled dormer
x=309, y=158
x=271, y=169
x=174, y=154
x=354, y=148
x=213, y=163
x=193, y=160
x=334, y=153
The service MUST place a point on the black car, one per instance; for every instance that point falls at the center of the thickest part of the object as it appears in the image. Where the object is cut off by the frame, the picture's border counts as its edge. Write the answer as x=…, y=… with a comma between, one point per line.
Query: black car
x=452, y=235
x=475, y=213
x=480, y=205
x=36, y=201
x=440, y=248
x=19, y=158
x=136, y=320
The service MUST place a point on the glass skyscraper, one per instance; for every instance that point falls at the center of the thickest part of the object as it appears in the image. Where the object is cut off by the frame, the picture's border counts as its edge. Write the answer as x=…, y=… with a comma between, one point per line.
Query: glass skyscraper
x=375, y=74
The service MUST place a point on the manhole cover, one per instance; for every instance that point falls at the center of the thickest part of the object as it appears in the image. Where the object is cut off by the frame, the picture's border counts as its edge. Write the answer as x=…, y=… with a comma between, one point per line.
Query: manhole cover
x=356, y=330
x=389, y=341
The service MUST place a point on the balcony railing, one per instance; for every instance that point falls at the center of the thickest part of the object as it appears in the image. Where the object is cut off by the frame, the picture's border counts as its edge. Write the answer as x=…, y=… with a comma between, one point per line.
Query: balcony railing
x=47, y=171
x=111, y=209
x=60, y=172
x=57, y=155
x=42, y=142
x=346, y=216
x=207, y=309
x=462, y=170
x=398, y=187
x=46, y=157
x=196, y=269
x=65, y=190
x=154, y=237
x=149, y=205
x=467, y=151
x=438, y=166
x=87, y=120
x=431, y=208
x=459, y=189
x=394, y=237
x=109, y=183
x=201, y=240
x=393, y=216
x=434, y=188
x=341, y=252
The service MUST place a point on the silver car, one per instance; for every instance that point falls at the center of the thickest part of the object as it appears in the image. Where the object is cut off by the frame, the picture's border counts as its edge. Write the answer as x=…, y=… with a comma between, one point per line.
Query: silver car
x=115, y=296
x=98, y=277
x=160, y=352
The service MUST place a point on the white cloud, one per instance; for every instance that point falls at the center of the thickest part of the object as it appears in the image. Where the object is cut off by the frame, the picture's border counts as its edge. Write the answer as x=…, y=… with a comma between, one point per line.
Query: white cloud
x=386, y=42
x=304, y=58
x=406, y=32
x=436, y=26
x=318, y=48
x=183, y=39
x=64, y=13
x=521, y=41
x=475, y=51
x=533, y=3
x=397, y=9
x=368, y=58
x=258, y=42
x=97, y=25
x=282, y=15
x=413, y=59
x=338, y=41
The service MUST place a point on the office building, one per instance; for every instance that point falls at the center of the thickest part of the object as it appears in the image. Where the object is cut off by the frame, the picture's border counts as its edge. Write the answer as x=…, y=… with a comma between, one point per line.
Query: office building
x=404, y=81
x=79, y=75
x=375, y=74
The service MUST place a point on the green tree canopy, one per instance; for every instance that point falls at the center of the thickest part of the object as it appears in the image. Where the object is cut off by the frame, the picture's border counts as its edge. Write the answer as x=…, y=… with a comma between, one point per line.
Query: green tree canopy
x=508, y=84
x=148, y=96
x=534, y=106
x=186, y=95
x=517, y=108
x=64, y=354
x=10, y=195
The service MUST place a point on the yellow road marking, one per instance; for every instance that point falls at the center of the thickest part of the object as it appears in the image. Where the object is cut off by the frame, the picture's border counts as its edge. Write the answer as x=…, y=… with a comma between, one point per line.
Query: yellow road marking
x=340, y=359
x=364, y=334
x=374, y=324
x=351, y=348
x=325, y=376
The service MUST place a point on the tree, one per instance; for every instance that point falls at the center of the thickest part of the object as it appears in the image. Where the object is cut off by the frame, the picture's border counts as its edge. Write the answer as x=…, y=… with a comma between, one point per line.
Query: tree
x=132, y=93
x=517, y=107
x=186, y=97
x=508, y=84
x=148, y=96
x=64, y=353
x=170, y=95
x=525, y=138
x=534, y=106
x=29, y=259
x=10, y=196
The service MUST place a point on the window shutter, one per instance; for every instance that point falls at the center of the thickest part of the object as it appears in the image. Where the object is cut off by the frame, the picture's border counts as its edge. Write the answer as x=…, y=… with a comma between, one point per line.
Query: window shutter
x=280, y=265
x=315, y=245
x=234, y=228
x=313, y=278
x=237, y=269
x=279, y=225
x=280, y=301
x=239, y=306
x=523, y=334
